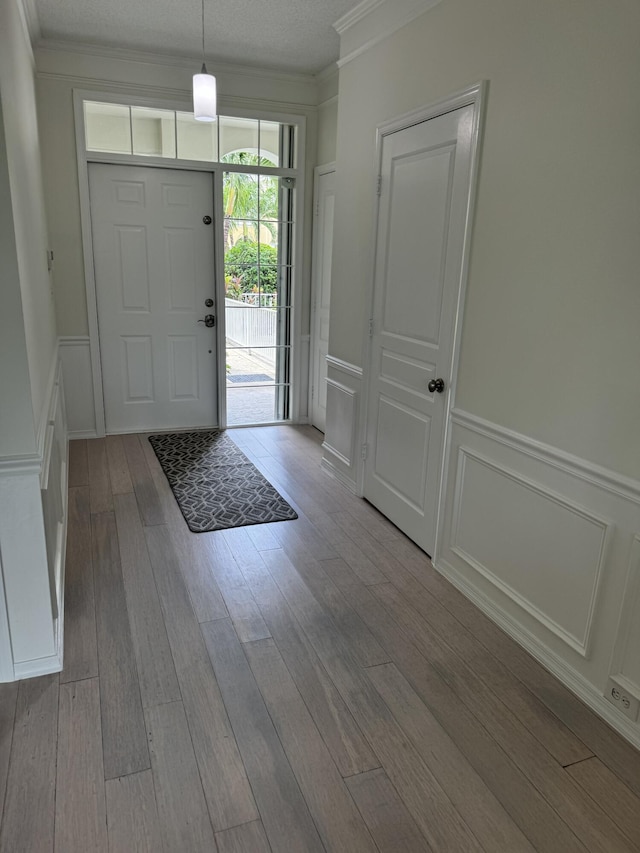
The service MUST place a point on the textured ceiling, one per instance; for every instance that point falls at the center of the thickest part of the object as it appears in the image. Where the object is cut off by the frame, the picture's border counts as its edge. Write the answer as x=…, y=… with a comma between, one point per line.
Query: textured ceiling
x=293, y=35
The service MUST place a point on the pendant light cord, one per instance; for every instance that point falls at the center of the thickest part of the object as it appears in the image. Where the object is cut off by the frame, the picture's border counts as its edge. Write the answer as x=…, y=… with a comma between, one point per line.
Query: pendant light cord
x=203, y=32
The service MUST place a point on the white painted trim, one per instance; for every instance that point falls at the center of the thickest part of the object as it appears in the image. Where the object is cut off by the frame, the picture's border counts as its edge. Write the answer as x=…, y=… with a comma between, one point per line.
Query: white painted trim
x=344, y=366
x=6, y=649
x=329, y=449
x=327, y=73
x=216, y=169
x=89, y=270
x=329, y=468
x=628, y=612
x=31, y=22
x=30, y=464
x=40, y=666
x=551, y=661
x=603, y=478
x=73, y=340
x=76, y=435
x=328, y=102
x=476, y=96
x=581, y=646
x=167, y=59
x=363, y=33
x=45, y=413
x=359, y=11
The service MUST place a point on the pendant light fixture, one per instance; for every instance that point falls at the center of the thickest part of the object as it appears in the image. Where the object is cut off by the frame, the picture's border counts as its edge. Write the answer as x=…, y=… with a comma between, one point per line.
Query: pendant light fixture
x=204, y=89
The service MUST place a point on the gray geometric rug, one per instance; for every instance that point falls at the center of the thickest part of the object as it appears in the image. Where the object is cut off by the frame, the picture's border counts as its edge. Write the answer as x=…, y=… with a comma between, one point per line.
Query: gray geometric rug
x=249, y=377
x=216, y=486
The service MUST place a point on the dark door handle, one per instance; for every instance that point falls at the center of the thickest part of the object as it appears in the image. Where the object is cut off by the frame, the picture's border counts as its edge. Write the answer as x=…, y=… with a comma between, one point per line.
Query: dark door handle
x=209, y=321
x=436, y=385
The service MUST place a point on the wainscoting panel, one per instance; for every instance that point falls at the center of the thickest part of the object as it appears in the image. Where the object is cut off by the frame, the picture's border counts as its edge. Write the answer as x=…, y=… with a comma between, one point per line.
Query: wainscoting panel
x=344, y=389
x=33, y=494
x=548, y=546
x=543, y=552
x=625, y=665
x=75, y=355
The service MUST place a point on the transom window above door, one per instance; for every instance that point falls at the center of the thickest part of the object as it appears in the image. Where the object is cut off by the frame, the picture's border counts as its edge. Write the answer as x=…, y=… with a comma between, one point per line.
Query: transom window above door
x=172, y=134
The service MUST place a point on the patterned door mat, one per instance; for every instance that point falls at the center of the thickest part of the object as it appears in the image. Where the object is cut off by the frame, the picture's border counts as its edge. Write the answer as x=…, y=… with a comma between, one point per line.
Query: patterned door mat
x=249, y=377
x=216, y=486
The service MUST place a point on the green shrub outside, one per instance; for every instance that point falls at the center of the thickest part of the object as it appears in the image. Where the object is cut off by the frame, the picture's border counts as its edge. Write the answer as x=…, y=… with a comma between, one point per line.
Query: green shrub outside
x=242, y=274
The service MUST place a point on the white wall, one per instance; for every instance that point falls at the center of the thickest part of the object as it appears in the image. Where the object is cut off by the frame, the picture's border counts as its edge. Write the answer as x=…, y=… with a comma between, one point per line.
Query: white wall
x=327, y=115
x=17, y=428
x=541, y=519
x=25, y=177
x=550, y=344
x=33, y=436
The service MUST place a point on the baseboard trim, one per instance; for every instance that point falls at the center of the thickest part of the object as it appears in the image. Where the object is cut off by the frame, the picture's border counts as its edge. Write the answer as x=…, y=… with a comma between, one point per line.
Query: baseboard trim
x=332, y=471
x=74, y=435
x=568, y=677
x=39, y=666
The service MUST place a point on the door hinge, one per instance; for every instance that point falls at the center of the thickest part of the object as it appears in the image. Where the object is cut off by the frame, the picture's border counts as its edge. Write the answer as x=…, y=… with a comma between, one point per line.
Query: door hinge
x=364, y=450
x=371, y=327
x=379, y=185
x=317, y=210
x=313, y=392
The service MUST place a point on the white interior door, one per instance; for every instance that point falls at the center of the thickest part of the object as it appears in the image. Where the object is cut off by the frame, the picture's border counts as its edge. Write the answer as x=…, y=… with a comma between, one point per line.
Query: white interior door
x=419, y=253
x=154, y=269
x=324, y=203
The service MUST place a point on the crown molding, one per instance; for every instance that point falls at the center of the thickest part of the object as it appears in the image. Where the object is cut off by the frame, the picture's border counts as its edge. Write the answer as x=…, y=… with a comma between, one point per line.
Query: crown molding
x=360, y=11
x=169, y=59
x=31, y=21
x=327, y=73
x=371, y=21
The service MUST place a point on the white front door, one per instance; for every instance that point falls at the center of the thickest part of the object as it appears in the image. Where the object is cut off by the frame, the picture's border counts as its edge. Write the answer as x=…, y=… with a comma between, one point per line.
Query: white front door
x=419, y=254
x=324, y=203
x=154, y=270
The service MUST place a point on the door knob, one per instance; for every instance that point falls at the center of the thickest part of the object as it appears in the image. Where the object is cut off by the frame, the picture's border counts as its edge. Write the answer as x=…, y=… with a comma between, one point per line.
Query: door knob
x=436, y=385
x=207, y=220
x=209, y=320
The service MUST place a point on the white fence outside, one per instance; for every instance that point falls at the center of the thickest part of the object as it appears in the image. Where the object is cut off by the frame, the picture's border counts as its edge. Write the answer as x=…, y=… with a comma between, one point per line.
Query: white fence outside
x=252, y=327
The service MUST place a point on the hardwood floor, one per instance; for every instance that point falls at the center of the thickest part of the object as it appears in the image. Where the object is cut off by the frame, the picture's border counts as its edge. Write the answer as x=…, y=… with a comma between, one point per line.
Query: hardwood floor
x=310, y=685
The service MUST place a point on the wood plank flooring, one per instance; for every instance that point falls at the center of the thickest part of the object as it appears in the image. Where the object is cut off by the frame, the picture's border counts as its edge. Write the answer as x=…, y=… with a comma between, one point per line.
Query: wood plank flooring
x=310, y=685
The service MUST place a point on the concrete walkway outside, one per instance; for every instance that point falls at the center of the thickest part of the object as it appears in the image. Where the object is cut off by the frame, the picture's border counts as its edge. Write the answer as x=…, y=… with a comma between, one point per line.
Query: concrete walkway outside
x=251, y=401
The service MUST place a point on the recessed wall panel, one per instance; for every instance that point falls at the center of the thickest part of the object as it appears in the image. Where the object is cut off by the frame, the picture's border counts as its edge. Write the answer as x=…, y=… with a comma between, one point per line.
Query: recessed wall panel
x=544, y=553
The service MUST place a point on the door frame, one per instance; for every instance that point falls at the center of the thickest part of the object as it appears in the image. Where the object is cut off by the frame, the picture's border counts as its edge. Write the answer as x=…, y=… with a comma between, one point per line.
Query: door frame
x=216, y=170
x=318, y=172
x=475, y=96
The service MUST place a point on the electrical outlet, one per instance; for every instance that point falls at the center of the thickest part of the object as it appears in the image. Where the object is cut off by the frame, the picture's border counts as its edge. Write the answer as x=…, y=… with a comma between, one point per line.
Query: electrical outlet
x=623, y=700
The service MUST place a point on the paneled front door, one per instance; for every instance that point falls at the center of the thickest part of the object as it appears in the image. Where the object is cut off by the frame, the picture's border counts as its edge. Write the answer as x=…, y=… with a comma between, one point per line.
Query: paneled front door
x=154, y=269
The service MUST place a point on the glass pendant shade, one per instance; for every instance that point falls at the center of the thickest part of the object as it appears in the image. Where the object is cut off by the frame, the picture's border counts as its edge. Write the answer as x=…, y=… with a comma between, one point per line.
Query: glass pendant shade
x=204, y=96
